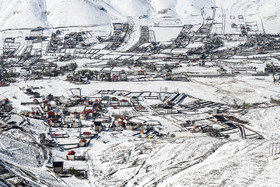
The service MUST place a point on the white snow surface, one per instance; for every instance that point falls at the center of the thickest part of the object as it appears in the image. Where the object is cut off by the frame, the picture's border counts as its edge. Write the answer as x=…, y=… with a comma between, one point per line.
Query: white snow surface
x=120, y=159
x=60, y=13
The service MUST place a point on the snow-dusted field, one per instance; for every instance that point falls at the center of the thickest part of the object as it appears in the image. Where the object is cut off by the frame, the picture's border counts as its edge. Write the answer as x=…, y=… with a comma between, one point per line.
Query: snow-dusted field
x=221, y=90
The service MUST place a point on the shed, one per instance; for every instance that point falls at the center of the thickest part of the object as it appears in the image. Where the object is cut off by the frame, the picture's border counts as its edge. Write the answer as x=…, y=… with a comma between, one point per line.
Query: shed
x=167, y=109
x=82, y=142
x=76, y=123
x=58, y=167
x=98, y=126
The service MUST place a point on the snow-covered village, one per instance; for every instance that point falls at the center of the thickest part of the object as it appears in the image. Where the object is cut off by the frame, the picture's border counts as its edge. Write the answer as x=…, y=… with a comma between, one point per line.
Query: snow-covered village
x=139, y=93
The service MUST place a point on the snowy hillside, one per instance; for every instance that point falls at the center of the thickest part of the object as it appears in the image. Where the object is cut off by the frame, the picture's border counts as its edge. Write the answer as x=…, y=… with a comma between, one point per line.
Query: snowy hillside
x=145, y=93
x=60, y=13
x=33, y=13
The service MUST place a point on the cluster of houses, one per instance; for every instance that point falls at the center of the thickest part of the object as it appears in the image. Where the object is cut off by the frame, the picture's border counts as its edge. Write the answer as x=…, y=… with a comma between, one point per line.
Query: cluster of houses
x=85, y=76
x=182, y=38
x=146, y=71
x=89, y=116
x=117, y=110
x=59, y=112
x=59, y=42
x=36, y=35
x=7, y=76
x=69, y=45
x=48, y=69
x=271, y=68
x=221, y=126
x=120, y=33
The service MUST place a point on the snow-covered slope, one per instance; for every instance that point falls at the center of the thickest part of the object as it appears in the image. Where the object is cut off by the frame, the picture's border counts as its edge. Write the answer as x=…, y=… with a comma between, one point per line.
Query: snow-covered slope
x=57, y=13
x=74, y=13
x=22, y=14
x=49, y=13
x=265, y=10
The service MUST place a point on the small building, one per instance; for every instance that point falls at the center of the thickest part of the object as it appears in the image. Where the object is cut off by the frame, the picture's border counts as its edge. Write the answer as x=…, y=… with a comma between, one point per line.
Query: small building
x=104, y=76
x=32, y=114
x=206, y=129
x=141, y=72
x=105, y=120
x=271, y=68
x=86, y=134
x=130, y=126
x=219, y=118
x=42, y=137
x=189, y=123
x=105, y=100
x=50, y=97
x=44, y=104
x=97, y=126
x=82, y=143
x=76, y=123
x=60, y=135
x=9, y=40
x=120, y=122
x=71, y=155
x=124, y=102
x=115, y=78
x=197, y=128
x=89, y=112
x=48, y=107
x=114, y=101
x=83, y=115
x=123, y=76
x=134, y=100
x=216, y=111
x=167, y=109
x=35, y=101
x=74, y=115
x=152, y=123
x=53, y=122
x=58, y=167
x=61, y=58
x=51, y=114
x=86, y=103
